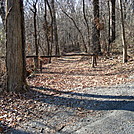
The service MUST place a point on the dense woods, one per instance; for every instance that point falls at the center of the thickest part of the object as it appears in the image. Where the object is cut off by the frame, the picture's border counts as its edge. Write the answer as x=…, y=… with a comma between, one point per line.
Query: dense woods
x=55, y=27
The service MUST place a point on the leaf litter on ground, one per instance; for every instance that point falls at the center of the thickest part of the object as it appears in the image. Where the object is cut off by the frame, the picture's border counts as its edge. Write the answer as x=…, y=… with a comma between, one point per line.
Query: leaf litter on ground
x=61, y=76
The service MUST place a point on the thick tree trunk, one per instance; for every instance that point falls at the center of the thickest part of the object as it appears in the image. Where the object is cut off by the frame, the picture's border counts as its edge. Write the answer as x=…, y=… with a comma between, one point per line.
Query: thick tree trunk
x=96, y=48
x=96, y=32
x=46, y=29
x=57, y=49
x=51, y=32
x=15, y=45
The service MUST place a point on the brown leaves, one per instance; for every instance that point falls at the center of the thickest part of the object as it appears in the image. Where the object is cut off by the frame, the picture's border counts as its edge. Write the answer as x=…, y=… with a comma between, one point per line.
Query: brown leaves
x=1, y=129
x=61, y=76
x=71, y=72
x=16, y=108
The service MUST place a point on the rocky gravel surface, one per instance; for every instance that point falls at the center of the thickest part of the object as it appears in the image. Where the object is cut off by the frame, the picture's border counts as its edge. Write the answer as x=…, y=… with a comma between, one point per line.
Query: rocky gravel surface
x=67, y=112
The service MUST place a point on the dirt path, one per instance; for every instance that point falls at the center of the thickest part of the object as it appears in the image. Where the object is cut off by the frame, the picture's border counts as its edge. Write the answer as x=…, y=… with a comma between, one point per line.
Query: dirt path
x=76, y=72
x=69, y=95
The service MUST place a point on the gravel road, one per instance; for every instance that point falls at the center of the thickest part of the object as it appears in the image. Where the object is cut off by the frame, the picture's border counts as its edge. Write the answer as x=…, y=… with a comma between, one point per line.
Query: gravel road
x=103, y=110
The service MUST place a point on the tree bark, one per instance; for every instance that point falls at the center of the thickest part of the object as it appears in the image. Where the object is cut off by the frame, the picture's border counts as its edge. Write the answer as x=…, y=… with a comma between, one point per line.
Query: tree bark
x=123, y=34
x=96, y=48
x=15, y=45
x=46, y=29
x=96, y=32
x=2, y=11
x=35, y=35
x=113, y=21
x=108, y=48
x=86, y=21
x=57, y=49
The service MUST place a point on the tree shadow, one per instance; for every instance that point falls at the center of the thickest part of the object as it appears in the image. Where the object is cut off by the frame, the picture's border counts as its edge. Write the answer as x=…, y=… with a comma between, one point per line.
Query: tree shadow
x=93, y=102
x=87, y=74
x=82, y=101
x=70, y=60
x=84, y=94
x=9, y=130
x=16, y=131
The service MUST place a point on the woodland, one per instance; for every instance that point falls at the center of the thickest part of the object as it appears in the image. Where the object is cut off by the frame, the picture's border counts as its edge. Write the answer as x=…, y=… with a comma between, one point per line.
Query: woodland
x=52, y=47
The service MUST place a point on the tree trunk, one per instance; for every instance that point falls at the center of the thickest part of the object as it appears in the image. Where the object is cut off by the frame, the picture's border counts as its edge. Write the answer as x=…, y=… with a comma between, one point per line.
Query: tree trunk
x=86, y=21
x=2, y=11
x=46, y=29
x=96, y=48
x=15, y=46
x=35, y=36
x=57, y=49
x=133, y=6
x=123, y=34
x=52, y=32
x=113, y=20
x=125, y=9
x=108, y=47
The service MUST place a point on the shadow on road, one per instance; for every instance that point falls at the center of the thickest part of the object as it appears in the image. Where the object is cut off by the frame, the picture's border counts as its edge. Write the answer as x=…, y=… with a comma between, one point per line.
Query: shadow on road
x=86, y=101
x=9, y=130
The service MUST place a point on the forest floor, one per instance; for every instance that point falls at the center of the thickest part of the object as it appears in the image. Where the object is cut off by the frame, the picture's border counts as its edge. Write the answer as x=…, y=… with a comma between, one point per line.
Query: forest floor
x=67, y=92
x=76, y=72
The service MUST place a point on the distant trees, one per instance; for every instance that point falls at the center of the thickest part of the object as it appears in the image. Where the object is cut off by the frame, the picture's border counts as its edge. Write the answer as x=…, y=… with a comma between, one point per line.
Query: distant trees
x=55, y=26
x=71, y=24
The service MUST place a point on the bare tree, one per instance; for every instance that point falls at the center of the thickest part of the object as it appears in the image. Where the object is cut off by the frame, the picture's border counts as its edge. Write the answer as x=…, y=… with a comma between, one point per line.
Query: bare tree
x=123, y=34
x=86, y=21
x=96, y=48
x=46, y=29
x=2, y=11
x=75, y=24
x=57, y=49
x=113, y=21
x=34, y=10
x=109, y=40
x=15, y=45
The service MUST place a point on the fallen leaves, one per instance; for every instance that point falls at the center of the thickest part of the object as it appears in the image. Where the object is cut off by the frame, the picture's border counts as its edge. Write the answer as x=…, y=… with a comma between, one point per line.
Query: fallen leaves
x=61, y=76
x=1, y=129
x=16, y=108
x=67, y=74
